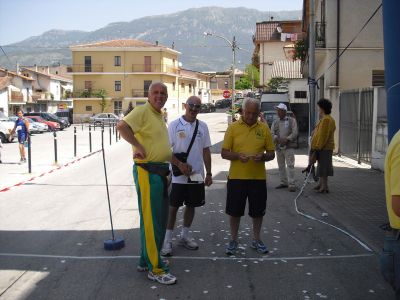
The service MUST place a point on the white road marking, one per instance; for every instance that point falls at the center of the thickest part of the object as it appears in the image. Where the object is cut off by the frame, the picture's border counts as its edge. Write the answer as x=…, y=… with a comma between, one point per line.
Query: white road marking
x=222, y=258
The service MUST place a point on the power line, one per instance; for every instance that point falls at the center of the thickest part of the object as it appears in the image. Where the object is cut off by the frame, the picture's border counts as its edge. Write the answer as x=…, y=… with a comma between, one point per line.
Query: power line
x=6, y=55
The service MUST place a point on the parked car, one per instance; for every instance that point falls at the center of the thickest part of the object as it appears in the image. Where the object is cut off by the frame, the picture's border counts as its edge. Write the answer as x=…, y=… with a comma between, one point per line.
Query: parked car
x=219, y=103
x=49, y=117
x=204, y=108
x=104, y=118
x=211, y=107
x=52, y=126
x=6, y=125
x=37, y=127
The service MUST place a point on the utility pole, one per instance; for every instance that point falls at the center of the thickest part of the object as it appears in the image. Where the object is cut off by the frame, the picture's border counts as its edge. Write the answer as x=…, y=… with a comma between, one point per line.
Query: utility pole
x=311, y=66
x=234, y=46
x=391, y=24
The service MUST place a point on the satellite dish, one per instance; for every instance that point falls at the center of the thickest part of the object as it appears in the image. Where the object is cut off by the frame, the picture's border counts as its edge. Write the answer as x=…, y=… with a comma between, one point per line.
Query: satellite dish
x=279, y=29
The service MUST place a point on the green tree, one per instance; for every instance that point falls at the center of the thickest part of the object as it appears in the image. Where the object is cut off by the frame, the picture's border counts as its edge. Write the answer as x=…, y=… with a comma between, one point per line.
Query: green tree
x=250, y=79
x=277, y=84
x=103, y=102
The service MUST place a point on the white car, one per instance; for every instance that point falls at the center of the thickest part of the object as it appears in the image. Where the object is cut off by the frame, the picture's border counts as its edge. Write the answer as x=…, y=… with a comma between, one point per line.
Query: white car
x=37, y=127
x=104, y=118
x=5, y=128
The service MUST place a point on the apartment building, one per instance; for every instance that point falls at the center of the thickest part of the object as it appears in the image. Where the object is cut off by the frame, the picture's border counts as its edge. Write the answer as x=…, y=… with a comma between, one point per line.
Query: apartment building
x=110, y=75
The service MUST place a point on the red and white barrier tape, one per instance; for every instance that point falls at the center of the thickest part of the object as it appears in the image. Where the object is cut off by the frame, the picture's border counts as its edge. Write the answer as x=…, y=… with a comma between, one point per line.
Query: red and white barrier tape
x=48, y=172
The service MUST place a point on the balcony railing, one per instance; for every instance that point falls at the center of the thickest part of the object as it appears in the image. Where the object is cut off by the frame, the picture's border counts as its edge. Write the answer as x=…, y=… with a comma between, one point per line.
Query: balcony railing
x=85, y=68
x=140, y=93
x=154, y=68
x=320, y=41
x=85, y=93
x=17, y=96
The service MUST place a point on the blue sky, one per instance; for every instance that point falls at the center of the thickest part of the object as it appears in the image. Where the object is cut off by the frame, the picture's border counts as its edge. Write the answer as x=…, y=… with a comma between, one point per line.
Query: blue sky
x=20, y=19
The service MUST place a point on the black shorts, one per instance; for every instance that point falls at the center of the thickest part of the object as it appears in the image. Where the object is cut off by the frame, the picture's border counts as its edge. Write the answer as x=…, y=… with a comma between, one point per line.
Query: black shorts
x=239, y=190
x=192, y=195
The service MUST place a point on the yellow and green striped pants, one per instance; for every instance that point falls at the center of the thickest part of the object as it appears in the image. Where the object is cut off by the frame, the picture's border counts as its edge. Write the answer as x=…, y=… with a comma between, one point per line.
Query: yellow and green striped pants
x=153, y=210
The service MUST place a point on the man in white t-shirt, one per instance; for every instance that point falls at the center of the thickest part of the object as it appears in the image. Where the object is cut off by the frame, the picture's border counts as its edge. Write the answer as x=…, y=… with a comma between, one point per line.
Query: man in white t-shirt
x=188, y=190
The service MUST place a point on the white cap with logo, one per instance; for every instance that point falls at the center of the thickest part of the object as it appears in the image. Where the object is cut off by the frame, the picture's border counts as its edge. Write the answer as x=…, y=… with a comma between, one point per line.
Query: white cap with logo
x=281, y=106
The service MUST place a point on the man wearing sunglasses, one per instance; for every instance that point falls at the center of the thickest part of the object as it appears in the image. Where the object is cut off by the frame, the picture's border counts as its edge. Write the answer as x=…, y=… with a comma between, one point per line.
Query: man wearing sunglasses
x=188, y=190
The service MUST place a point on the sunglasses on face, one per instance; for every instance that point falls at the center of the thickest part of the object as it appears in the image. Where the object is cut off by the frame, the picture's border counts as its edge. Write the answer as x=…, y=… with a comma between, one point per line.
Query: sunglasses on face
x=194, y=106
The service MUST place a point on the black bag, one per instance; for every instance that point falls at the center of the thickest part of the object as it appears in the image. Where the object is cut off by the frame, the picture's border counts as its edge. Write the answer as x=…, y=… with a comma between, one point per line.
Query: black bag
x=182, y=156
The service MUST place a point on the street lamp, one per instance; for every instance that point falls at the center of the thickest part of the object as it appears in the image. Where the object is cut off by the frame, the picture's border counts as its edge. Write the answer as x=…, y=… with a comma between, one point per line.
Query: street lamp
x=233, y=45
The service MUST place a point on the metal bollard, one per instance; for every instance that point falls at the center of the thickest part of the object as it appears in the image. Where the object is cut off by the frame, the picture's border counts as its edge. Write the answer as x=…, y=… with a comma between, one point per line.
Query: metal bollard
x=74, y=141
x=110, y=134
x=82, y=126
x=113, y=125
x=90, y=138
x=29, y=155
x=116, y=134
x=55, y=147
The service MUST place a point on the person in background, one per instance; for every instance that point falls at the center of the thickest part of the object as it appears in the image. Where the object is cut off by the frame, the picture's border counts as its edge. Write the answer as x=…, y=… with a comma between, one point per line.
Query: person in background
x=165, y=115
x=322, y=145
x=284, y=132
x=22, y=128
x=247, y=145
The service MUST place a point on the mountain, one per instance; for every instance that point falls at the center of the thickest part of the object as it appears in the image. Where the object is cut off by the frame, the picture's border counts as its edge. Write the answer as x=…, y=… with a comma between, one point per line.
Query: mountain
x=184, y=29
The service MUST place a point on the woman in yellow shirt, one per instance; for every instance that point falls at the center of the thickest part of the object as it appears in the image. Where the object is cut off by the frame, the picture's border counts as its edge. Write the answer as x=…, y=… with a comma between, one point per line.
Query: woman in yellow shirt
x=322, y=145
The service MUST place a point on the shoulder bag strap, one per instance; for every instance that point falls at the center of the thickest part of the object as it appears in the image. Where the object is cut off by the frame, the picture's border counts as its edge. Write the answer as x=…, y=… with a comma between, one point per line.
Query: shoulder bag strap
x=193, y=137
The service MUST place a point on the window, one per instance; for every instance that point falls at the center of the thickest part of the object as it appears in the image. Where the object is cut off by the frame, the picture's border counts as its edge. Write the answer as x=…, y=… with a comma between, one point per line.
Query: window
x=146, y=85
x=117, y=107
x=118, y=86
x=88, y=64
x=300, y=94
x=190, y=88
x=183, y=86
x=378, y=78
x=173, y=86
x=88, y=85
x=117, y=61
x=88, y=108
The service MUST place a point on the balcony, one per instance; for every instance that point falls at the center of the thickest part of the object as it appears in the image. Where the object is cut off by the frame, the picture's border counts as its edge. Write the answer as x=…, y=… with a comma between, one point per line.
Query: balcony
x=17, y=96
x=320, y=41
x=139, y=68
x=85, y=93
x=85, y=68
x=140, y=93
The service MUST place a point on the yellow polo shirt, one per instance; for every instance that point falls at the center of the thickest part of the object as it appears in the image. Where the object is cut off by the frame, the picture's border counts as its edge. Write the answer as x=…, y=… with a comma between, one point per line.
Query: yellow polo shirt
x=392, y=178
x=150, y=130
x=249, y=140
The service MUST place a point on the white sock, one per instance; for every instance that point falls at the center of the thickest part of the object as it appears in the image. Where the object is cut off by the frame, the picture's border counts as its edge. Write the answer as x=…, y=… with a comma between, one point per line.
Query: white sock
x=168, y=235
x=185, y=232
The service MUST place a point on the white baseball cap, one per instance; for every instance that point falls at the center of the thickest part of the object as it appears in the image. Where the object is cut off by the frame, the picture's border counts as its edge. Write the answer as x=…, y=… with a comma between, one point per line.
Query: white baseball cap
x=281, y=106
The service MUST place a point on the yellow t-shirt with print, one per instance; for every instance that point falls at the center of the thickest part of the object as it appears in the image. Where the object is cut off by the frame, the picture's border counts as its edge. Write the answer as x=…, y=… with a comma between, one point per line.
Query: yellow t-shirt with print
x=392, y=178
x=150, y=130
x=249, y=140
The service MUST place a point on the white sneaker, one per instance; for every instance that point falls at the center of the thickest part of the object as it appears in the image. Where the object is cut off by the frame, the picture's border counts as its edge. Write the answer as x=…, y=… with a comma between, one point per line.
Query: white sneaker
x=163, y=278
x=188, y=243
x=166, y=249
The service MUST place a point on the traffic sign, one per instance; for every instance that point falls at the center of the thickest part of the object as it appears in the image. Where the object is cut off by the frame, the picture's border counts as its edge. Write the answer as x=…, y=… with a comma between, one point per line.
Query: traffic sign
x=226, y=94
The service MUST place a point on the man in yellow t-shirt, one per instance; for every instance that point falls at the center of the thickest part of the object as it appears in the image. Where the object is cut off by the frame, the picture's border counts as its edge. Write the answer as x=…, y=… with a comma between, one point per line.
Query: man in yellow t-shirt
x=145, y=129
x=248, y=145
x=392, y=187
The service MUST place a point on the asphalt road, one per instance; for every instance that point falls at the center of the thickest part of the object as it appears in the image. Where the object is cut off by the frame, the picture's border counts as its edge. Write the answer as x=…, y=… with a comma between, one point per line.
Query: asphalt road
x=52, y=232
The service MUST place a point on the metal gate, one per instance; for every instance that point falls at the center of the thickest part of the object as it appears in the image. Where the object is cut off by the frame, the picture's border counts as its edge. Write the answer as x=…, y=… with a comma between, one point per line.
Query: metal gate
x=356, y=118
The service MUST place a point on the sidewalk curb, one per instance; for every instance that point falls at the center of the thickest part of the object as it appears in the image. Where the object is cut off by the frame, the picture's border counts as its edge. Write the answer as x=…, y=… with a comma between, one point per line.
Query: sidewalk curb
x=49, y=172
